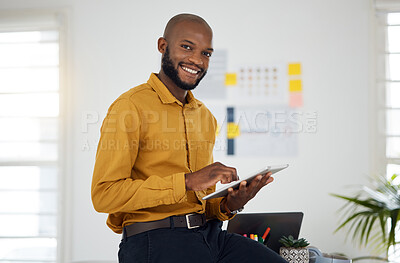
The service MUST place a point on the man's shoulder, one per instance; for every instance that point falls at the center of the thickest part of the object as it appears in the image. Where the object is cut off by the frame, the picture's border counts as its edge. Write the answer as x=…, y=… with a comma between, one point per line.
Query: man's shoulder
x=143, y=95
x=138, y=92
x=134, y=98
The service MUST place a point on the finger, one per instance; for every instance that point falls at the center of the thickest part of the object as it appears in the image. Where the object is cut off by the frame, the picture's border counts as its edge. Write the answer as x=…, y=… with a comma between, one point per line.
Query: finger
x=265, y=179
x=225, y=176
x=256, y=186
x=255, y=182
x=224, y=179
x=229, y=173
x=269, y=179
x=235, y=176
x=231, y=192
x=230, y=170
x=243, y=186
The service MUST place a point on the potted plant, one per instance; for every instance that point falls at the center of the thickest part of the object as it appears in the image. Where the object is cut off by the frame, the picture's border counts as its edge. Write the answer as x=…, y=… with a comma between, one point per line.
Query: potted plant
x=294, y=250
x=373, y=214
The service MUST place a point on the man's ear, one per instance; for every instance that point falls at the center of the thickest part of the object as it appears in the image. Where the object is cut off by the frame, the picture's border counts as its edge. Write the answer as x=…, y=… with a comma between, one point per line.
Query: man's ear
x=162, y=45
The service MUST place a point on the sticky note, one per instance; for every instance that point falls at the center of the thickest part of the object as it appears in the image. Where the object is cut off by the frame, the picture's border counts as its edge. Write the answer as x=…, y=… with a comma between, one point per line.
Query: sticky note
x=294, y=69
x=233, y=130
x=295, y=85
x=230, y=79
x=296, y=99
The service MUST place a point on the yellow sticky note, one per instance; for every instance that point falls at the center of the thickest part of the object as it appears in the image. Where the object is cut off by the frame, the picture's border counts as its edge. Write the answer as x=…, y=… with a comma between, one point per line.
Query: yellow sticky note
x=233, y=130
x=230, y=79
x=294, y=69
x=295, y=85
x=296, y=99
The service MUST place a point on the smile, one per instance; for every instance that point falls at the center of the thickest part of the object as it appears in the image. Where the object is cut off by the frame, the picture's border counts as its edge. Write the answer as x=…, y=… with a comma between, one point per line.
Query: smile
x=191, y=71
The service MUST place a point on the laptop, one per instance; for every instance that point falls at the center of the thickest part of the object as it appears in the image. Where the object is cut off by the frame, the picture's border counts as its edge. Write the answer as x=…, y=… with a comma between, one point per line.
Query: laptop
x=280, y=224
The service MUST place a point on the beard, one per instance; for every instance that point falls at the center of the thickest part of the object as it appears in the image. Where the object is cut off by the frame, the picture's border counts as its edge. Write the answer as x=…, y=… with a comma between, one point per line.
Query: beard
x=169, y=70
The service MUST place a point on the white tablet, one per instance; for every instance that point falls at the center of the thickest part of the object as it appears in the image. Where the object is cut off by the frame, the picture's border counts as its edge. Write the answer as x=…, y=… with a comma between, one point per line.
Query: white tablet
x=224, y=190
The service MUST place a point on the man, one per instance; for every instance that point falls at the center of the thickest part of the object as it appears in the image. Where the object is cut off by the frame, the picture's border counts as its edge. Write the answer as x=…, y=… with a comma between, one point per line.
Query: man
x=154, y=164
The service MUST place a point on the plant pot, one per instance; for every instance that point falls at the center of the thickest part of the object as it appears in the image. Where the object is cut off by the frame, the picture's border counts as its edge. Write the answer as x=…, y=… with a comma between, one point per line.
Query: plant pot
x=295, y=255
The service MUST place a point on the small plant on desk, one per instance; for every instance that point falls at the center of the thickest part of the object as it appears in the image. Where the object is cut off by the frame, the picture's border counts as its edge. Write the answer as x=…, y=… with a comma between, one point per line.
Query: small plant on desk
x=294, y=250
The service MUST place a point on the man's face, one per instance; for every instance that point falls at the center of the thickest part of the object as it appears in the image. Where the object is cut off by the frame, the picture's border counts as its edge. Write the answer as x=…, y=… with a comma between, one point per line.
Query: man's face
x=173, y=73
x=186, y=58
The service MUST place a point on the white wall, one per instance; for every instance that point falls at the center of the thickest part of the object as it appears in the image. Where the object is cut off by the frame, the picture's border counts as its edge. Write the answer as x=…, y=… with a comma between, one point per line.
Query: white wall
x=112, y=47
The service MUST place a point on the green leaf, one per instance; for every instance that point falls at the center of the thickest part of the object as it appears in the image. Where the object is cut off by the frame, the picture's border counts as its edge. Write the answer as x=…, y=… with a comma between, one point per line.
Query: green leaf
x=371, y=224
x=394, y=176
x=372, y=215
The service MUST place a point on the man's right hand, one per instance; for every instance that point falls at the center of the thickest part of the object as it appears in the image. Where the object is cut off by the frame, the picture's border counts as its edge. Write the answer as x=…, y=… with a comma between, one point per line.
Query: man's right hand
x=209, y=176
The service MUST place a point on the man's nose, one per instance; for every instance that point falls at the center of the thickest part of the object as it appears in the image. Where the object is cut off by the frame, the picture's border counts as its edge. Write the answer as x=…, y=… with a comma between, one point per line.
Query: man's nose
x=196, y=59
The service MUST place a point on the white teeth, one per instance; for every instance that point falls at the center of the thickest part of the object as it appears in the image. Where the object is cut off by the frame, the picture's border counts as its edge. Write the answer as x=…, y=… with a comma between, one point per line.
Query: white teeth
x=189, y=70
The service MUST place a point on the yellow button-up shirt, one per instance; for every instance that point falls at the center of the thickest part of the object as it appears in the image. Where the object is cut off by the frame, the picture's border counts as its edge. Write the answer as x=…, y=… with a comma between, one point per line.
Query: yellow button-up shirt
x=149, y=140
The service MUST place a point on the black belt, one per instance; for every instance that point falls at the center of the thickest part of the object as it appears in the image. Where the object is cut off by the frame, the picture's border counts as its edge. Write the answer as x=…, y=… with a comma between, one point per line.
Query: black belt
x=188, y=221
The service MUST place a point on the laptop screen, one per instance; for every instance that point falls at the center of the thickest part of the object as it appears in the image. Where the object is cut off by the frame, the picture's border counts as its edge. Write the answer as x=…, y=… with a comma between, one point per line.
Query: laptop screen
x=280, y=224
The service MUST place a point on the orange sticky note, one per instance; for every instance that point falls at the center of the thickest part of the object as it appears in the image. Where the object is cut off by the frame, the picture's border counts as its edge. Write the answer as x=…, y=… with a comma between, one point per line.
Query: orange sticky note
x=295, y=85
x=296, y=99
x=230, y=79
x=294, y=69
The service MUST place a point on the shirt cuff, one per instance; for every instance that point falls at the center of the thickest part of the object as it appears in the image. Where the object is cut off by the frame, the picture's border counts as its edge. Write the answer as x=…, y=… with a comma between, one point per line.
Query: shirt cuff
x=220, y=215
x=179, y=187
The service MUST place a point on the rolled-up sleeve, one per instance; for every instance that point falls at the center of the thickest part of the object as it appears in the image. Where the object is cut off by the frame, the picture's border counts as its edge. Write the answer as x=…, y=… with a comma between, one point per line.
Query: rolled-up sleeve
x=113, y=188
x=213, y=208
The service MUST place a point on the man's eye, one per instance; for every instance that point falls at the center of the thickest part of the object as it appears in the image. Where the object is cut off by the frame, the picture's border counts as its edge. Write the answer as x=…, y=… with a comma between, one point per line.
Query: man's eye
x=207, y=54
x=186, y=47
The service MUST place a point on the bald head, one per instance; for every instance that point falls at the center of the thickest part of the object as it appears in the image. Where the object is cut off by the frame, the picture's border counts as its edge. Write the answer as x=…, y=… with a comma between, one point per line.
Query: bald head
x=186, y=48
x=169, y=28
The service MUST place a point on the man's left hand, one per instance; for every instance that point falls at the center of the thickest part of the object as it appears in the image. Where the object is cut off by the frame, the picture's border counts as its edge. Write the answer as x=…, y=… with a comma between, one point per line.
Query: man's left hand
x=236, y=199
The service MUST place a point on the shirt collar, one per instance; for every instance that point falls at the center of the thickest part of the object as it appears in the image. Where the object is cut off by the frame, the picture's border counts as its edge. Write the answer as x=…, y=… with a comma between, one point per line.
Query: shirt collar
x=166, y=96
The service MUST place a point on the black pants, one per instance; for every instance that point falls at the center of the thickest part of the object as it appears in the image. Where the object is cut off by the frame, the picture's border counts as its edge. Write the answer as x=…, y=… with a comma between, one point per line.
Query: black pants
x=204, y=244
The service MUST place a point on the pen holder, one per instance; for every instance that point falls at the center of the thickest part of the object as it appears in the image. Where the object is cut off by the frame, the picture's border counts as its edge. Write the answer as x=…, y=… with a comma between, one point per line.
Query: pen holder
x=295, y=255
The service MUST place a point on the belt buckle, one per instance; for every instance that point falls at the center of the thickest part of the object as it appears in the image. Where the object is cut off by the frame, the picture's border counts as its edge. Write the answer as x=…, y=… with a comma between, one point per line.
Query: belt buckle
x=188, y=221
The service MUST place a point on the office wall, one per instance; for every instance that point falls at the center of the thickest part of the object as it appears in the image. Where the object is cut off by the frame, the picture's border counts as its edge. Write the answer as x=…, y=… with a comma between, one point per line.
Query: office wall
x=111, y=47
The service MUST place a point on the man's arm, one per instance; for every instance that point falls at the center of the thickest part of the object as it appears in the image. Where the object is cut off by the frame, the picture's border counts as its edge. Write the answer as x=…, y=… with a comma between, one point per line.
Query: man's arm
x=113, y=189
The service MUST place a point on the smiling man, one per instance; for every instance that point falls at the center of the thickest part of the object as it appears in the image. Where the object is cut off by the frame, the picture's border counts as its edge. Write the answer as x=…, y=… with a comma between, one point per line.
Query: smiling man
x=154, y=164
x=191, y=51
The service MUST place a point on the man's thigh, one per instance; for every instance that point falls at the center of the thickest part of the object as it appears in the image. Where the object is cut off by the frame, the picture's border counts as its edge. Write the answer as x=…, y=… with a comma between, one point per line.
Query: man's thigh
x=237, y=248
x=165, y=245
